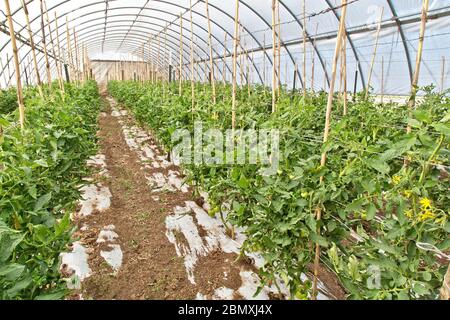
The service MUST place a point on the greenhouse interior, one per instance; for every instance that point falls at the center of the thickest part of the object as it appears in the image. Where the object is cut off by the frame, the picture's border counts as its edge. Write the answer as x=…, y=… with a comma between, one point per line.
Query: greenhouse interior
x=225, y=150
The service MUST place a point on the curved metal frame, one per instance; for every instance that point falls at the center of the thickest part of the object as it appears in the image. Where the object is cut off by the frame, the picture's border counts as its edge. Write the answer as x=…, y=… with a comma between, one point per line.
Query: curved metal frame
x=350, y=42
x=138, y=39
x=402, y=35
x=322, y=63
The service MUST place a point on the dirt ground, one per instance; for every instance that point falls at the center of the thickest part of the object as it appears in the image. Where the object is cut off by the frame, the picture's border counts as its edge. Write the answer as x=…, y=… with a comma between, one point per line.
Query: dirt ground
x=151, y=268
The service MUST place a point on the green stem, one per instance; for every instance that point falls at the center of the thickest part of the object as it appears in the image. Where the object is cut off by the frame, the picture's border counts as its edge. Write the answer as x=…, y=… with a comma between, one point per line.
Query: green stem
x=432, y=158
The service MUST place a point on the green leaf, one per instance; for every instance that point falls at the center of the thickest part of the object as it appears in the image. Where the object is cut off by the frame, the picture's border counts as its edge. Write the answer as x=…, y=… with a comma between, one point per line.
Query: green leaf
x=12, y=272
x=443, y=128
x=422, y=115
x=371, y=212
x=379, y=165
x=42, y=201
x=42, y=163
x=58, y=295
x=32, y=192
x=355, y=205
x=421, y=289
x=321, y=241
x=243, y=182
x=19, y=286
x=399, y=148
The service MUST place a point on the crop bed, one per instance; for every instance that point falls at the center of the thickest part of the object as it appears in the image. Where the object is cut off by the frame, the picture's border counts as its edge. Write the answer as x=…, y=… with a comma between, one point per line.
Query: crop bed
x=41, y=171
x=385, y=225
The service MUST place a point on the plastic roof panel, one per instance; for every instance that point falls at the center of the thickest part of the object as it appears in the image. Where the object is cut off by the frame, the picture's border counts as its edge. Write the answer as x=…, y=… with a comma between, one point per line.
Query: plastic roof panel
x=129, y=30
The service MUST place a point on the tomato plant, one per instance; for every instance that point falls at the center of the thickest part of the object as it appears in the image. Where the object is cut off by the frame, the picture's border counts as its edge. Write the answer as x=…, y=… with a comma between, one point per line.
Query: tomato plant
x=40, y=173
x=377, y=212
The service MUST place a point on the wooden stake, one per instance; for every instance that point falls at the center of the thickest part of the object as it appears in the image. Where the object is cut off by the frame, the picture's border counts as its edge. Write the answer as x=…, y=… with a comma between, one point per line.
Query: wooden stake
x=59, y=71
x=423, y=24
x=192, y=61
x=9, y=68
x=313, y=58
x=181, y=55
x=445, y=291
x=77, y=60
x=443, y=75
x=58, y=42
x=213, y=82
x=264, y=62
x=327, y=132
x=274, y=64
x=44, y=44
x=4, y=73
x=33, y=48
x=304, y=49
x=279, y=48
x=224, y=74
x=382, y=79
x=69, y=49
x=235, y=48
x=369, y=79
x=344, y=62
x=20, y=99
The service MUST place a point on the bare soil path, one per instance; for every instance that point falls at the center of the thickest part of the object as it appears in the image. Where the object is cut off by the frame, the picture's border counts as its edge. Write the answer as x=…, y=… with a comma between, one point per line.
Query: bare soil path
x=142, y=237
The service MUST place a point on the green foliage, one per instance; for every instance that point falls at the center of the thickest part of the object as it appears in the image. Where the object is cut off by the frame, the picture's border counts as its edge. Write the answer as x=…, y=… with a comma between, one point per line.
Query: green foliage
x=375, y=210
x=8, y=100
x=40, y=174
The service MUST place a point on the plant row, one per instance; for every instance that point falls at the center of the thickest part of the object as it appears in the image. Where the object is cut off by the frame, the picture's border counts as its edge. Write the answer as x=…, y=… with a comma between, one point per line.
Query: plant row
x=41, y=170
x=383, y=193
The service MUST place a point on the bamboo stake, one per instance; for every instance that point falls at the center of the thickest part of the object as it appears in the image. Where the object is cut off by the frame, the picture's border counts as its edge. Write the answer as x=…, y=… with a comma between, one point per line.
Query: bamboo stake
x=235, y=47
x=279, y=48
x=224, y=72
x=8, y=66
x=443, y=75
x=166, y=56
x=344, y=59
x=382, y=79
x=274, y=64
x=264, y=62
x=374, y=53
x=77, y=59
x=59, y=52
x=304, y=49
x=341, y=73
x=249, y=78
x=33, y=47
x=4, y=73
x=166, y=80
x=69, y=49
x=20, y=99
x=213, y=83
x=44, y=44
x=445, y=290
x=192, y=61
x=241, y=57
x=313, y=58
x=181, y=56
x=423, y=24
x=47, y=18
x=327, y=132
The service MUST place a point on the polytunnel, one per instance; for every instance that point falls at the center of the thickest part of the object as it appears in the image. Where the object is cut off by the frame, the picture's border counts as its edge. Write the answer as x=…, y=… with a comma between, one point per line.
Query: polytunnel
x=225, y=150
x=115, y=30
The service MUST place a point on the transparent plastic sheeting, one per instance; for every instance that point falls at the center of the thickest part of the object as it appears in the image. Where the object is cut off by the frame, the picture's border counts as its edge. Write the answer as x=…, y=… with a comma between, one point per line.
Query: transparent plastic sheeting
x=120, y=30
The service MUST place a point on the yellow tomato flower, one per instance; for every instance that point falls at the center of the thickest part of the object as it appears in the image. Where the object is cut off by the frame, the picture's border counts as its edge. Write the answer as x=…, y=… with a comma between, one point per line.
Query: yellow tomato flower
x=425, y=203
x=396, y=180
x=408, y=194
x=427, y=215
x=409, y=214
